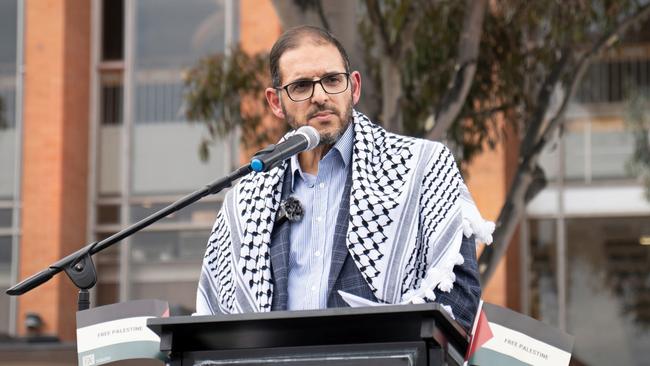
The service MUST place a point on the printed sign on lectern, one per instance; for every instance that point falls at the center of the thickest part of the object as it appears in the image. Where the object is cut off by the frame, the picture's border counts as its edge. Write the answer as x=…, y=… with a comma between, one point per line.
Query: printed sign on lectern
x=119, y=332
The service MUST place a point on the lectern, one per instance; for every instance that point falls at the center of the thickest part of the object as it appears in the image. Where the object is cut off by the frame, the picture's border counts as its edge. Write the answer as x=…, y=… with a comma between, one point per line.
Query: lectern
x=417, y=335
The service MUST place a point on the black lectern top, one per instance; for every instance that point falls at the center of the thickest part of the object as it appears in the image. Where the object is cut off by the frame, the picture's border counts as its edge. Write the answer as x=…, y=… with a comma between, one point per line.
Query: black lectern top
x=379, y=324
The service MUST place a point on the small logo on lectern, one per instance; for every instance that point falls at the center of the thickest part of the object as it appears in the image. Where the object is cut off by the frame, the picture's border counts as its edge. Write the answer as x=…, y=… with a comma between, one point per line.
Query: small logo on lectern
x=88, y=360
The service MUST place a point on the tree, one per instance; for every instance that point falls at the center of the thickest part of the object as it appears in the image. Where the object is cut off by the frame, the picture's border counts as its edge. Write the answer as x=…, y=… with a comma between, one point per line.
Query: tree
x=459, y=71
x=227, y=91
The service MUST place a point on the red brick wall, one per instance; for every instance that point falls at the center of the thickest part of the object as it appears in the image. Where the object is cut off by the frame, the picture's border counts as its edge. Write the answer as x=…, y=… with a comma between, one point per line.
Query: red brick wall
x=490, y=175
x=55, y=153
x=260, y=27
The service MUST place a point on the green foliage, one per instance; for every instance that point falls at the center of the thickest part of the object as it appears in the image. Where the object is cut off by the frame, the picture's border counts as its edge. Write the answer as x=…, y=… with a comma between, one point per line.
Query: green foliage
x=225, y=92
x=637, y=119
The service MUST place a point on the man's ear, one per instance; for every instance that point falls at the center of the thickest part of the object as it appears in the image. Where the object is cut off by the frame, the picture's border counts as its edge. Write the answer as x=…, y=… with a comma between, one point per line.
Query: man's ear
x=273, y=98
x=355, y=79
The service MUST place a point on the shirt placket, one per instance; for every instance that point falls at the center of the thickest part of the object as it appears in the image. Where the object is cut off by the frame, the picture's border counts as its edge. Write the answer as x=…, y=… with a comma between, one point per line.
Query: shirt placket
x=320, y=204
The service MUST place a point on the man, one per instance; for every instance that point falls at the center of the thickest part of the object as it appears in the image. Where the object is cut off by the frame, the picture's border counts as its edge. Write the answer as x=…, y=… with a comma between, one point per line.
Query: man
x=387, y=218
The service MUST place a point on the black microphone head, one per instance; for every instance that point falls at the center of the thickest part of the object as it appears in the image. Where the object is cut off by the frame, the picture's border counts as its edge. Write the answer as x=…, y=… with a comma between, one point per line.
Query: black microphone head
x=292, y=144
x=311, y=134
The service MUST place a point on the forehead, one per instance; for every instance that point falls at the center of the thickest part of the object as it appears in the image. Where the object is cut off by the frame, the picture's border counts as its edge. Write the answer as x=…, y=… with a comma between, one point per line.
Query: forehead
x=310, y=60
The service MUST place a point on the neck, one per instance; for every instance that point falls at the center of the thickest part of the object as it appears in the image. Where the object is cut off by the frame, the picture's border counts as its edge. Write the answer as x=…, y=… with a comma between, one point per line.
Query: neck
x=309, y=159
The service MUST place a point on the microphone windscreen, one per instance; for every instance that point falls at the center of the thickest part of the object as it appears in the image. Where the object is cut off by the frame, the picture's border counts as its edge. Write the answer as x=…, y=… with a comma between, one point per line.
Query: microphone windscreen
x=311, y=134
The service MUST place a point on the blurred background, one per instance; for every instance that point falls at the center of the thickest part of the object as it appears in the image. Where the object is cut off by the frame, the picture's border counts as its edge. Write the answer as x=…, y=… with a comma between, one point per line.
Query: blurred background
x=113, y=109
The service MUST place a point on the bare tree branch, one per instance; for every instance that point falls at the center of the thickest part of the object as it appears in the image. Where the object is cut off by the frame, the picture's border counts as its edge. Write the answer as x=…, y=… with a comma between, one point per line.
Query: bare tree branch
x=321, y=14
x=405, y=35
x=545, y=95
x=379, y=23
x=452, y=102
x=518, y=194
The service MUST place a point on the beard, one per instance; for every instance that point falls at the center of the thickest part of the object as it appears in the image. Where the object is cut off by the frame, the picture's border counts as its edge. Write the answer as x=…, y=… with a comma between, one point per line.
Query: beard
x=326, y=138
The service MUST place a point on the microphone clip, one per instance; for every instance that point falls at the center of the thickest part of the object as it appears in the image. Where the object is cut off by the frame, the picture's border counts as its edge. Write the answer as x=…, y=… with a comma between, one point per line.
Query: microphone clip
x=291, y=210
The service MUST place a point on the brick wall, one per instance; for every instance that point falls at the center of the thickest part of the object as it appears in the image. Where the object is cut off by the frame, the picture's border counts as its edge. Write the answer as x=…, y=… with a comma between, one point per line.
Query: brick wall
x=55, y=150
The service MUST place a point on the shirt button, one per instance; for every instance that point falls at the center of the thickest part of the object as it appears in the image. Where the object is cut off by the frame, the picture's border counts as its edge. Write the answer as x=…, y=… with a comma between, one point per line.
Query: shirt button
x=319, y=219
x=317, y=253
x=313, y=288
x=322, y=185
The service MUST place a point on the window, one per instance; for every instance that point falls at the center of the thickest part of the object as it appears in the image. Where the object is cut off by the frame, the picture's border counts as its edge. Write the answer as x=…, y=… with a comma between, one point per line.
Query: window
x=147, y=156
x=595, y=150
x=9, y=156
x=607, y=286
x=597, y=143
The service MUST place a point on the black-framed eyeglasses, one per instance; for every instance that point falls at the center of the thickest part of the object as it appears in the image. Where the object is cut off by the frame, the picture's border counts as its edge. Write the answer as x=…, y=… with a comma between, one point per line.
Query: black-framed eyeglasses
x=304, y=89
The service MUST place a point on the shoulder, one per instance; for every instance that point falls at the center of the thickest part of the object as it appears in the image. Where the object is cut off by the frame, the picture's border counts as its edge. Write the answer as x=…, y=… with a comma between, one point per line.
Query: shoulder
x=366, y=129
x=424, y=150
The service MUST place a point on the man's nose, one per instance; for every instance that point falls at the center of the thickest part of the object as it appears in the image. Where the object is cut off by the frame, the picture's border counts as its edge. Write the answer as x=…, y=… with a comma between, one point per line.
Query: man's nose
x=320, y=96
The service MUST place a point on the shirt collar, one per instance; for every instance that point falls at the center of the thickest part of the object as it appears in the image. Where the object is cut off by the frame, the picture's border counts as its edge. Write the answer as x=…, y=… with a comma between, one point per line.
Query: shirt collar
x=342, y=147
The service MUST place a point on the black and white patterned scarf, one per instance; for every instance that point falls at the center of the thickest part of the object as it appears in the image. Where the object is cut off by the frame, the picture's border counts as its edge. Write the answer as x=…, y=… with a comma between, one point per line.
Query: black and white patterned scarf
x=409, y=209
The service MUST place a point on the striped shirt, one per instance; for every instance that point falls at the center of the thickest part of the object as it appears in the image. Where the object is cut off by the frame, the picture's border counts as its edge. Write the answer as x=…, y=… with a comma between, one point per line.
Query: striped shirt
x=312, y=238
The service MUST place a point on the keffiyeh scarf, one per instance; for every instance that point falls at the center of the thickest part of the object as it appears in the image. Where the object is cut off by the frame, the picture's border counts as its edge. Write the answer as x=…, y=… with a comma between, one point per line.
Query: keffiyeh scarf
x=409, y=209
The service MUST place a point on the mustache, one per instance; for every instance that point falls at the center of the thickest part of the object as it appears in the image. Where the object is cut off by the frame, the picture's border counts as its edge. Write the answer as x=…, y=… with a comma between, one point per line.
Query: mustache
x=322, y=108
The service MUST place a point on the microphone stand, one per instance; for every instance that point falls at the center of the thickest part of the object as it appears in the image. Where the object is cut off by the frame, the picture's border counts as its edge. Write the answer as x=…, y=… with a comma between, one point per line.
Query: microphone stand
x=79, y=265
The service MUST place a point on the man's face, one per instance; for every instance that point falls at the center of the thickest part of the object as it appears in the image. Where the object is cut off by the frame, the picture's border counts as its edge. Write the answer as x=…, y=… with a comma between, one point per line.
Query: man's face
x=330, y=114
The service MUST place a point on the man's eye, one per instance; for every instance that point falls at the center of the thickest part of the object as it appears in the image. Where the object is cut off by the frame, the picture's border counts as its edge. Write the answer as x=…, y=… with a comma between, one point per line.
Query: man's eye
x=333, y=80
x=300, y=86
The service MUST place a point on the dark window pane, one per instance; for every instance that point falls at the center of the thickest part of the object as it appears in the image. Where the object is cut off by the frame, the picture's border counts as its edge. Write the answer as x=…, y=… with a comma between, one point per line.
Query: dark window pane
x=108, y=214
x=112, y=30
x=6, y=217
x=8, y=22
x=5, y=255
x=168, y=246
x=111, y=101
x=4, y=313
x=612, y=81
x=181, y=296
x=153, y=247
x=5, y=281
x=173, y=34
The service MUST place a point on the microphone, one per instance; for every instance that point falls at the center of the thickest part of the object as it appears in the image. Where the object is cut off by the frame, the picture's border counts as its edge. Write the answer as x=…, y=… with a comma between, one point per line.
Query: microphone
x=305, y=138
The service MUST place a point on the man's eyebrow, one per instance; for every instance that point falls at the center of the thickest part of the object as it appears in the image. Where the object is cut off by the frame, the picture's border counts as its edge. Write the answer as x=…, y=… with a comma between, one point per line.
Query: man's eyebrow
x=332, y=73
x=300, y=79
x=329, y=73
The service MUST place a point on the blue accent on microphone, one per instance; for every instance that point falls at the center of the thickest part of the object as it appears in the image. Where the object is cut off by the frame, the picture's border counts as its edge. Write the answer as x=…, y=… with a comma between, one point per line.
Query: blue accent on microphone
x=257, y=165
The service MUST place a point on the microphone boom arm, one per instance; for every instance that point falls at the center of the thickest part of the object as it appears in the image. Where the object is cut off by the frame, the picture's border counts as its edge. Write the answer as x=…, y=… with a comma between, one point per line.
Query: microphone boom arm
x=79, y=266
